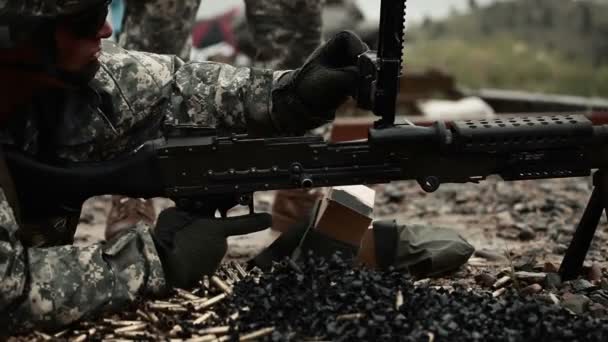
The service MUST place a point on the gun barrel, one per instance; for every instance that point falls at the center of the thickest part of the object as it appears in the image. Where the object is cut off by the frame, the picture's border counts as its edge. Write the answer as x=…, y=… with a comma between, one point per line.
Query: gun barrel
x=495, y=135
x=514, y=148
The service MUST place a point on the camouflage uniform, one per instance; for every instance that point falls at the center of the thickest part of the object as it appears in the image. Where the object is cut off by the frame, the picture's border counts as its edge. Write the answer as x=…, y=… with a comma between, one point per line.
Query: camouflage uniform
x=131, y=97
x=158, y=26
x=284, y=32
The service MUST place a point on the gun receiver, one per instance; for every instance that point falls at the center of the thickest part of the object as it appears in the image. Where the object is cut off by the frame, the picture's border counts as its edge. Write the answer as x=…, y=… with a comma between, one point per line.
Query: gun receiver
x=208, y=173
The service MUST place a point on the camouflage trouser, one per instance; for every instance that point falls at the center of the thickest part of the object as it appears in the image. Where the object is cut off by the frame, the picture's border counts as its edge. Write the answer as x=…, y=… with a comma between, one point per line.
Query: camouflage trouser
x=158, y=26
x=285, y=32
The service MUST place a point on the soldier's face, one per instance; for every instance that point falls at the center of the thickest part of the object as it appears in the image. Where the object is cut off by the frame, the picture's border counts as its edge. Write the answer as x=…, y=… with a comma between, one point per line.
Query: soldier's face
x=77, y=53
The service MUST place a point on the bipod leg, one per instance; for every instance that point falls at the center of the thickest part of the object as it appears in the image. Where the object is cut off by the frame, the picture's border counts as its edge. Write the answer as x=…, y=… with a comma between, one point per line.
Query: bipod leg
x=581, y=241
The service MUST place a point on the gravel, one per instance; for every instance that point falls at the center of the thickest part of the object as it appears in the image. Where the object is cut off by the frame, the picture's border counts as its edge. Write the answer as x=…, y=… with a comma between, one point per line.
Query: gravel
x=329, y=300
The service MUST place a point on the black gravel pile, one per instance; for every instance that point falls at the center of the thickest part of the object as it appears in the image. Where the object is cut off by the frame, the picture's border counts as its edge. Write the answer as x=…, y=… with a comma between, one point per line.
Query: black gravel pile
x=329, y=300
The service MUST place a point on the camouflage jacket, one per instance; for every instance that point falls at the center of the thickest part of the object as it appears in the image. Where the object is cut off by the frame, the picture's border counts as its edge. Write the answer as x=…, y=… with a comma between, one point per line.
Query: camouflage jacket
x=132, y=96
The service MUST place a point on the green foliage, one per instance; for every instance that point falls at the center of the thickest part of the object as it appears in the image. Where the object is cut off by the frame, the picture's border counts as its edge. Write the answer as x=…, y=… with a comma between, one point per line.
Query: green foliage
x=557, y=46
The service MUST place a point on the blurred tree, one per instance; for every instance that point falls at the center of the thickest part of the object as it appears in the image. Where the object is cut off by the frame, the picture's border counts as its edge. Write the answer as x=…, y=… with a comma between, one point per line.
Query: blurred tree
x=427, y=23
x=586, y=18
x=548, y=18
x=473, y=6
x=545, y=45
x=439, y=30
x=599, y=51
x=510, y=17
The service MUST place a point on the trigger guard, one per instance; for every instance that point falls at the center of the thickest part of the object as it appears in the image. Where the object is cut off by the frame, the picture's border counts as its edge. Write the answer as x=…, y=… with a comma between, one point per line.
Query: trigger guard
x=208, y=206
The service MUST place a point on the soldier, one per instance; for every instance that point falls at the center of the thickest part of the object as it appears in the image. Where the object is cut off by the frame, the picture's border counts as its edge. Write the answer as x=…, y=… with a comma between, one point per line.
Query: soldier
x=69, y=96
x=284, y=32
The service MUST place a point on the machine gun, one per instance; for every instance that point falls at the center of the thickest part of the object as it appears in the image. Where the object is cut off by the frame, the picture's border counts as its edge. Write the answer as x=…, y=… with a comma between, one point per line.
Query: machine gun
x=206, y=173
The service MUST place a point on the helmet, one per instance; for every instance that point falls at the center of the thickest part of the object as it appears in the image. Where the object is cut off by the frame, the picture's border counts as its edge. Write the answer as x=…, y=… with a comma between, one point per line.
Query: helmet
x=25, y=9
x=20, y=17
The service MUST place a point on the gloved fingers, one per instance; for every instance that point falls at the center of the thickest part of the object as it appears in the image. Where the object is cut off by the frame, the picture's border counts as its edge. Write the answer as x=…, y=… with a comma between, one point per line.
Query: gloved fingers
x=342, y=50
x=345, y=79
x=174, y=214
x=246, y=224
x=342, y=82
x=174, y=217
x=169, y=222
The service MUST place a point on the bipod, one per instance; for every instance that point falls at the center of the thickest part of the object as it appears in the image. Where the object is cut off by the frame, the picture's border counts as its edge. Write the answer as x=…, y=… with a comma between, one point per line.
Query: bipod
x=581, y=241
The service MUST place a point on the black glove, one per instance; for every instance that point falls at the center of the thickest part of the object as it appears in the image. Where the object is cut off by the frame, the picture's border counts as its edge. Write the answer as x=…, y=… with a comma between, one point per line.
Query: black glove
x=190, y=246
x=308, y=97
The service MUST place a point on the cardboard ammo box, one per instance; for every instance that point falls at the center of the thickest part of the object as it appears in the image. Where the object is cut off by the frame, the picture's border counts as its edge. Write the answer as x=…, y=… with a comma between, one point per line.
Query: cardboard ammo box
x=346, y=212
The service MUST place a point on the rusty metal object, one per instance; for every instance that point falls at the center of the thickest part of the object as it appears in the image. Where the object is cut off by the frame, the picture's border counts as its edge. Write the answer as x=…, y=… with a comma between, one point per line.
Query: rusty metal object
x=514, y=101
x=367, y=251
x=414, y=86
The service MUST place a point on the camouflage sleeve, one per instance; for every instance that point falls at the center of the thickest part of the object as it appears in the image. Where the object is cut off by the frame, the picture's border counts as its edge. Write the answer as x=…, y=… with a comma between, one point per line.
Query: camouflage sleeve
x=147, y=89
x=158, y=26
x=285, y=32
x=52, y=287
x=230, y=99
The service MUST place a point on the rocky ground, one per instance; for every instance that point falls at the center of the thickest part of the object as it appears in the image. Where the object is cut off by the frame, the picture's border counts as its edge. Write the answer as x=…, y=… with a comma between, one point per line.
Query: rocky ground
x=508, y=291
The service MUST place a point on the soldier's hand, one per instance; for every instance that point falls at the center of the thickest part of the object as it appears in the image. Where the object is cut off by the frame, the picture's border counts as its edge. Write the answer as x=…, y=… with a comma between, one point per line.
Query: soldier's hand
x=190, y=246
x=309, y=96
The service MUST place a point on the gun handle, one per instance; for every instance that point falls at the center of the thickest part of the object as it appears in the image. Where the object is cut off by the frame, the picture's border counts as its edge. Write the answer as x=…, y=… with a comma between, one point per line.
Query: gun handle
x=368, y=72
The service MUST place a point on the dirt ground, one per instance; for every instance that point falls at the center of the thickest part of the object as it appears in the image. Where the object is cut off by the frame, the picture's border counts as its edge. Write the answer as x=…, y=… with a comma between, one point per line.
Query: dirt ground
x=520, y=231
x=523, y=218
x=524, y=225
